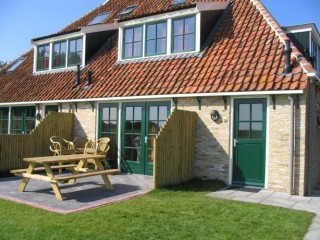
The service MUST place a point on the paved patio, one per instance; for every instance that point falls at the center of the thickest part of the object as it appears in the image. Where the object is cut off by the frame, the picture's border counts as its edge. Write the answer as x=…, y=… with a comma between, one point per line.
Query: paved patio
x=85, y=194
x=310, y=204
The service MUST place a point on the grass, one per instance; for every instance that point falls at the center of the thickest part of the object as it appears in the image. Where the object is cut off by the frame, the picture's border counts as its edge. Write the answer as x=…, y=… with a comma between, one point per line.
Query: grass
x=180, y=212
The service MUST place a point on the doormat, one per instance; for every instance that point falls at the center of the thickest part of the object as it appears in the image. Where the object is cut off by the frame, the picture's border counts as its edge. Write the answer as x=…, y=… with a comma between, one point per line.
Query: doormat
x=244, y=189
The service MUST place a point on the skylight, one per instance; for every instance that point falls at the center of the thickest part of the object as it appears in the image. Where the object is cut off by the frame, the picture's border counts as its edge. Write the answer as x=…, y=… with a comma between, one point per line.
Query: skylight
x=100, y=18
x=16, y=64
x=175, y=2
x=127, y=10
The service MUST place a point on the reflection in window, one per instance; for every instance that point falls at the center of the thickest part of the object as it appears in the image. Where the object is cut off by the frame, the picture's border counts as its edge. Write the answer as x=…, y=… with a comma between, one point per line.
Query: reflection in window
x=23, y=120
x=43, y=55
x=108, y=128
x=75, y=52
x=59, y=55
x=156, y=38
x=100, y=18
x=133, y=42
x=4, y=120
x=183, y=35
x=16, y=64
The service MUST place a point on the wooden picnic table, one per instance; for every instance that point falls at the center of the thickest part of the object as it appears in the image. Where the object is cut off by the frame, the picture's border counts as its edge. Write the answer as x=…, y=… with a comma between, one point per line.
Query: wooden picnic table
x=76, y=163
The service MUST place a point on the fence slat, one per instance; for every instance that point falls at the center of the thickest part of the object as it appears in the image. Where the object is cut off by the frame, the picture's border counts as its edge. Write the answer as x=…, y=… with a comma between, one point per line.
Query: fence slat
x=174, y=149
x=15, y=147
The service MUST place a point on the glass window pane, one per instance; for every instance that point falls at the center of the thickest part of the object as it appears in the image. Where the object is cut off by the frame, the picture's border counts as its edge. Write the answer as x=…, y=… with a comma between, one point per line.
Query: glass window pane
x=244, y=130
x=72, y=46
x=153, y=127
x=178, y=27
x=105, y=126
x=137, y=113
x=162, y=45
x=128, y=33
x=189, y=42
x=105, y=113
x=137, y=34
x=153, y=113
x=128, y=127
x=113, y=126
x=137, y=127
x=244, y=112
x=129, y=113
x=161, y=123
x=128, y=50
x=137, y=49
x=113, y=113
x=256, y=130
x=161, y=30
x=163, y=112
x=79, y=45
x=257, y=112
x=178, y=43
x=151, y=31
x=189, y=25
x=151, y=47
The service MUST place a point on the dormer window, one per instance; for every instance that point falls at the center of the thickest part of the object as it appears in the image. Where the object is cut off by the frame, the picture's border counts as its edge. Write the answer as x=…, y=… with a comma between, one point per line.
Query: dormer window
x=183, y=35
x=127, y=10
x=59, y=55
x=100, y=18
x=75, y=52
x=156, y=38
x=43, y=57
x=133, y=42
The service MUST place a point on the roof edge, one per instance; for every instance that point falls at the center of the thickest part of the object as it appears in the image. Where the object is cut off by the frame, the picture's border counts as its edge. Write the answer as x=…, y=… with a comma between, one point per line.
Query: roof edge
x=306, y=66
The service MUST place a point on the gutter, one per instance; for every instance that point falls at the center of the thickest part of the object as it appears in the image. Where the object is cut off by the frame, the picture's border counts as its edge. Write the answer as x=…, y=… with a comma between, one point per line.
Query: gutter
x=291, y=145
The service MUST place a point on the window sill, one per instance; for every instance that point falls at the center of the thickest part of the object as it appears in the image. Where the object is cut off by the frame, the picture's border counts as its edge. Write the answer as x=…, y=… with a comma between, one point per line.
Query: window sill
x=159, y=57
x=56, y=70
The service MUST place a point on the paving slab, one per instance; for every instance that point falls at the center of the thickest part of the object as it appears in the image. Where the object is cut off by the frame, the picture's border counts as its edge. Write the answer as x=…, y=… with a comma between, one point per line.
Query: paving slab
x=85, y=194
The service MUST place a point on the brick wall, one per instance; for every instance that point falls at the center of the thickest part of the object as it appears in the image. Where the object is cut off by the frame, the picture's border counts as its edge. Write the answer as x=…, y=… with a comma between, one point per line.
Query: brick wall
x=212, y=141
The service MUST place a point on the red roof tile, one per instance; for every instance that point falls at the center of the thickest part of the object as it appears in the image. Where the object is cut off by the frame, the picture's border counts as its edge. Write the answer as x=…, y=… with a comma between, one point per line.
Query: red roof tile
x=245, y=54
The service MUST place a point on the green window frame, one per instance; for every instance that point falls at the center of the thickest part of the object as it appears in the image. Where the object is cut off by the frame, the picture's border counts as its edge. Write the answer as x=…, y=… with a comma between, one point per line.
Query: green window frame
x=183, y=34
x=75, y=49
x=132, y=42
x=156, y=38
x=43, y=55
x=23, y=120
x=108, y=127
x=4, y=120
x=59, y=54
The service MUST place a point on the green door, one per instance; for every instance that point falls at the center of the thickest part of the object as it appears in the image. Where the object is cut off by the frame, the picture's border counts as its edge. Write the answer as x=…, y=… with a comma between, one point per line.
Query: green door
x=141, y=123
x=249, y=143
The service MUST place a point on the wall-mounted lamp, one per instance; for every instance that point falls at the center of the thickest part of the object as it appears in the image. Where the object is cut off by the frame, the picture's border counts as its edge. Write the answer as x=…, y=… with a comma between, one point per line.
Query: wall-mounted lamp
x=215, y=115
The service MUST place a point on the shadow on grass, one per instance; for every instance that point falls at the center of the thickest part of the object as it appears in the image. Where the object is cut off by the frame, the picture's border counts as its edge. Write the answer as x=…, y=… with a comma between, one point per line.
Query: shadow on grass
x=197, y=185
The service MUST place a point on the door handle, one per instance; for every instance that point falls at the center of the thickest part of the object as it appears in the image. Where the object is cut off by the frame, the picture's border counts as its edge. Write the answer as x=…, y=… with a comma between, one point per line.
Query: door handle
x=235, y=141
x=145, y=139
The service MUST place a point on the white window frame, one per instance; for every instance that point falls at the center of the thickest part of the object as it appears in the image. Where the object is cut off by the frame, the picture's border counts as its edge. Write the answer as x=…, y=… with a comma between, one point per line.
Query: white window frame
x=167, y=17
x=52, y=41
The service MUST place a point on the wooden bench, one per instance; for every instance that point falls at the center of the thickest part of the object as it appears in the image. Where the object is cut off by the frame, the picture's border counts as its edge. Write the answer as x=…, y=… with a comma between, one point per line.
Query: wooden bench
x=66, y=178
x=18, y=172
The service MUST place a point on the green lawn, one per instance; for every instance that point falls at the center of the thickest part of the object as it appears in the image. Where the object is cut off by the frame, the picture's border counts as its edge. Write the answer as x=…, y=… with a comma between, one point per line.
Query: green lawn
x=182, y=212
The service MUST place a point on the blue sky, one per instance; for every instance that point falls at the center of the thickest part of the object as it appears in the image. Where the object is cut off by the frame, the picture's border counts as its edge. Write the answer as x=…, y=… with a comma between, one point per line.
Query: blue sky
x=23, y=20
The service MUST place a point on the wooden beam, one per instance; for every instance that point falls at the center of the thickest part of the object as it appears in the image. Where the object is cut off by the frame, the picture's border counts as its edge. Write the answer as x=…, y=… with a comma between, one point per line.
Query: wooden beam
x=199, y=102
x=274, y=101
x=224, y=98
x=92, y=105
x=175, y=100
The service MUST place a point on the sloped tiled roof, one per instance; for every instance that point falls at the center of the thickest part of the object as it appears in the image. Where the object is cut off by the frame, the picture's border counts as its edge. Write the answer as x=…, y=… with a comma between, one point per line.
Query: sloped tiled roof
x=245, y=53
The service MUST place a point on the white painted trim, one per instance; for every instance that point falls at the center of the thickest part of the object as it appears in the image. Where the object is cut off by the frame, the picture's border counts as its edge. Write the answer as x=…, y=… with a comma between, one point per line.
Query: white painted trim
x=211, y=6
x=298, y=30
x=35, y=52
x=154, y=97
x=98, y=28
x=231, y=139
x=9, y=119
x=84, y=44
x=159, y=17
x=198, y=32
x=266, y=176
x=57, y=38
x=169, y=37
x=119, y=135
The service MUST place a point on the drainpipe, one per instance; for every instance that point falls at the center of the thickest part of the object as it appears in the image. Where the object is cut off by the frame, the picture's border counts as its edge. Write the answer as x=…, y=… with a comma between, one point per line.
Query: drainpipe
x=291, y=152
x=287, y=57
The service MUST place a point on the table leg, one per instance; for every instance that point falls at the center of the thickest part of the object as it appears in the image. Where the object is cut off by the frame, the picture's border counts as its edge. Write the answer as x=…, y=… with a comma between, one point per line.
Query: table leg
x=80, y=165
x=54, y=186
x=25, y=180
x=104, y=175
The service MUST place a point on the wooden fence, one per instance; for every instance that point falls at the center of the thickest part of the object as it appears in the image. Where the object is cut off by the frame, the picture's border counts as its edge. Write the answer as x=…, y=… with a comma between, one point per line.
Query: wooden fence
x=174, y=149
x=15, y=147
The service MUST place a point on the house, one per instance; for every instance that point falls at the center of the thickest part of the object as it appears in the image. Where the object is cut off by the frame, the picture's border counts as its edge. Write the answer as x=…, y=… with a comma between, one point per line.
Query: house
x=123, y=67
